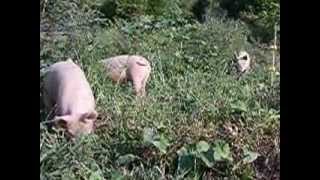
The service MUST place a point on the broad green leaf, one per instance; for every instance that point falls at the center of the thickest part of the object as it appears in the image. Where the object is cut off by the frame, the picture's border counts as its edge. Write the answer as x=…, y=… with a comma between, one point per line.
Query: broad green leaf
x=207, y=157
x=185, y=164
x=203, y=146
x=217, y=154
x=222, y=152
x=162, y=144
x=250, y=156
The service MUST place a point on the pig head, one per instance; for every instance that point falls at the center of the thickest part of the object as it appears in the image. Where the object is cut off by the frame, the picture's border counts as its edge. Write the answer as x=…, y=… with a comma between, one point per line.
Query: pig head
x=67, y=90
x=135, y=69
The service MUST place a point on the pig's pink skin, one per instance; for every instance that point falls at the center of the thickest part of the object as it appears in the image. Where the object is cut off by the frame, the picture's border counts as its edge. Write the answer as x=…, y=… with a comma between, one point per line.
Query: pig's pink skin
x=133, y=68
x=67, y=88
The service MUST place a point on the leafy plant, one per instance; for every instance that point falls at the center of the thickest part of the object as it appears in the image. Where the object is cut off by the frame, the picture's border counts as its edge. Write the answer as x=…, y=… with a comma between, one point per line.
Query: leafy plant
x=159, y=141
x=203, y=152
x=250, y=156
x=116, y=175
x=222, y=151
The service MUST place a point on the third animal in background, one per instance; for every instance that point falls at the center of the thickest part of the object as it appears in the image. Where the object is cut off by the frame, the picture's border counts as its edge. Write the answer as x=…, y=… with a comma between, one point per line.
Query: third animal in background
x=242, y=62
x=133, y=68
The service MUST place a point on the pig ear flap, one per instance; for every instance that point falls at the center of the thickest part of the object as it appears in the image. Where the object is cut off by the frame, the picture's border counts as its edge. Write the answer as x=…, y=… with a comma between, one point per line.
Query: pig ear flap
x=89, y=116
x=62, y=121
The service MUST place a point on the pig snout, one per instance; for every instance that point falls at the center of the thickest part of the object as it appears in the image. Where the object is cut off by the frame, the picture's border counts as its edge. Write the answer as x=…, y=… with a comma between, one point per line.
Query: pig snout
x=77, y=124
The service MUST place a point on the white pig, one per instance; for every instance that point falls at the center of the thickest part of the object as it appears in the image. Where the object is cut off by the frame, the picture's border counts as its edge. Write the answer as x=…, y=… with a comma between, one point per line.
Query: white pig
x=132, y=68
x=67, y=89
x=243, y=62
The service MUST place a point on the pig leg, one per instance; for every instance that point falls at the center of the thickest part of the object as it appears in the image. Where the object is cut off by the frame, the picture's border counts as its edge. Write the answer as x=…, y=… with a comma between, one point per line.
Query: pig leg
x=139, y=75
x=137, y=86
x=50, y=106
x=47, y=101
x=144, y=82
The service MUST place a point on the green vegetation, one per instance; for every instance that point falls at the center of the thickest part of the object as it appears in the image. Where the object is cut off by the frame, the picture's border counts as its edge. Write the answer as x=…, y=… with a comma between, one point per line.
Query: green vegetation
x=197, y=121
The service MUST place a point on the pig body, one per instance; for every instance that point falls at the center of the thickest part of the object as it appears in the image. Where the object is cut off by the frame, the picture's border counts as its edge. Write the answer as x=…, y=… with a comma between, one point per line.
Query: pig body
x=243, y=62
x=135, y=69
x=67, y=89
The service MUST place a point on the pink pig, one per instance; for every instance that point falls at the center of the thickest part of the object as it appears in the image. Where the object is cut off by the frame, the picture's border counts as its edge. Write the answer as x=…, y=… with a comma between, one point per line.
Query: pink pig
x=129, y=68
x=67, y=89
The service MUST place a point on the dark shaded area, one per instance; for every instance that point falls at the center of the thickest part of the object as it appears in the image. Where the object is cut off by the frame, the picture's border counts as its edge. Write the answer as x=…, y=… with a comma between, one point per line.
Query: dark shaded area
x=199, y=9
x=109, y=9
x=235, y=7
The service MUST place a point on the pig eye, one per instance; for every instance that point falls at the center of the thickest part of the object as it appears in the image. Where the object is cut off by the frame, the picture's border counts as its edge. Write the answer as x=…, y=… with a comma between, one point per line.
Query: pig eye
x=69, y=134
x=245, y=58
x=62, y=123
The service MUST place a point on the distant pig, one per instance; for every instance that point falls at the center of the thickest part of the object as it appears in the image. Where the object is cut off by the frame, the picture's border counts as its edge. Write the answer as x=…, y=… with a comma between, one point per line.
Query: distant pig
x=242, y=62
x=67, y=89
x=135, y=69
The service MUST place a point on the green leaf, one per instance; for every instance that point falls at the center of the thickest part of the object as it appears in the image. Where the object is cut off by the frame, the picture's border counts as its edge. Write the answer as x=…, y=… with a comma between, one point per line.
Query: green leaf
x=162, y=144
x=150, y=137
x=116, y=175
x=222, y=152
x=207, y=157
x=202, y=146
x=126, y=159
x=217, y=154
x=250, y=156
x=185, y=163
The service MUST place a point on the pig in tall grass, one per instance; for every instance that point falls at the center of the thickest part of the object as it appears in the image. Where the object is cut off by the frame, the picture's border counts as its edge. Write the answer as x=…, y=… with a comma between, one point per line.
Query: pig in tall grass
x=242, y=62
x=67, y=90
x=133, y=68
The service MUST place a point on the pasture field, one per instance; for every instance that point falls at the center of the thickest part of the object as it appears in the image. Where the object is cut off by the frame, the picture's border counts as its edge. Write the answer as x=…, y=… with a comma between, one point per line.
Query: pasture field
x=196, y=122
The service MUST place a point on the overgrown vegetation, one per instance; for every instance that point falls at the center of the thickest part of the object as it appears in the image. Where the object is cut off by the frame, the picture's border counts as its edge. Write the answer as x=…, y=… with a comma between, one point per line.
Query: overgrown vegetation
x=197, y=121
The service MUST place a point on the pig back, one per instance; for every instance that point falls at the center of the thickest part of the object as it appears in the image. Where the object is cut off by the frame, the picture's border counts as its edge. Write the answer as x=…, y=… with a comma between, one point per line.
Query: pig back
x=117, y=63
x=66, y=85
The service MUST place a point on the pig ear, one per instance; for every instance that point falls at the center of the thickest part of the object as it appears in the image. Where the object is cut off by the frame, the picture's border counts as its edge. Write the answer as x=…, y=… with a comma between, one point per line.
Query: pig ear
x=62, y=121
x=89, y=116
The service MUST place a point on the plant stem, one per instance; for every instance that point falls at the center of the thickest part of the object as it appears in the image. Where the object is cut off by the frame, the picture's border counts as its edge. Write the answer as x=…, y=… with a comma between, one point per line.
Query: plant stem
x=274, y=54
